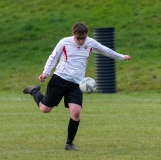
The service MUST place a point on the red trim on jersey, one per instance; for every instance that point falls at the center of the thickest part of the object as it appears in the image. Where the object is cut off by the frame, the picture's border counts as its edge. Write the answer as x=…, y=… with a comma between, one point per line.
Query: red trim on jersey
x=89, y=55
x=65, y=53
x=90, y=50
x=66, y=57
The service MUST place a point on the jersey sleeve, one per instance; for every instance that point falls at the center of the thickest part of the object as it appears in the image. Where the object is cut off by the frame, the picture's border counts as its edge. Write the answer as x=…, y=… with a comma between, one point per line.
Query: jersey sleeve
x=53, y=58
x=99, y=48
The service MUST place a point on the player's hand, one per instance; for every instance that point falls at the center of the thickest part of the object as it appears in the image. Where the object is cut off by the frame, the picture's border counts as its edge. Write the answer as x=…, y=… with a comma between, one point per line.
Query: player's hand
x=127, y=57
x=42, y=77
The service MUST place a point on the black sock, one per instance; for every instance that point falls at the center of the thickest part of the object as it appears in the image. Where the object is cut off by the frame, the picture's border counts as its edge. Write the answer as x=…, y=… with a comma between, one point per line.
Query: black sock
x=72, y=130
x=37, y=96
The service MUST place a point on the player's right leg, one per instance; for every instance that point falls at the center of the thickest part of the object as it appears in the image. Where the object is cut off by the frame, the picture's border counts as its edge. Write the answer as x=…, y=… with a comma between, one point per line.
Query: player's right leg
x=44, y=108
x=34, y=91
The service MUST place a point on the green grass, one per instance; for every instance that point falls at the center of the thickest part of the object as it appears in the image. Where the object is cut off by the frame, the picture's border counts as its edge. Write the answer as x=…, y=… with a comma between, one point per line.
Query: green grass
x=113, y=126
x=31, y=29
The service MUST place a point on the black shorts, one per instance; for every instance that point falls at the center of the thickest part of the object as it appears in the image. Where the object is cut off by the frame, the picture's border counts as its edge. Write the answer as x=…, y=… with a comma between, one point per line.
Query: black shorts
x=58, y=88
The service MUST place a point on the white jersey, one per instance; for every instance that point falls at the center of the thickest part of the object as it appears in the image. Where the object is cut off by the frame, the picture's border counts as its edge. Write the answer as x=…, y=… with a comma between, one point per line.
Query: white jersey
x=74, y=58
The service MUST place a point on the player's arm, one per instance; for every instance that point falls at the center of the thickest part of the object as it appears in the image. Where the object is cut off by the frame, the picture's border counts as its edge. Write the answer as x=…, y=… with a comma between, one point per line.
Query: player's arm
x=127, y=57
x=51, y=62
x=42, y=77
x=99, y=48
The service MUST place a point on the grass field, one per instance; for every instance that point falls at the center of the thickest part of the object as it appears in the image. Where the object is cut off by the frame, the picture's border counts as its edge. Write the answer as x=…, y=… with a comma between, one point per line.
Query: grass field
x=113, y=127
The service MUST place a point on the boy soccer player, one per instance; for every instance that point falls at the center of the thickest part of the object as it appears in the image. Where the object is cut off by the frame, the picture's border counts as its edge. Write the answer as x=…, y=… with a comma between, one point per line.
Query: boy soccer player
x=73, y=52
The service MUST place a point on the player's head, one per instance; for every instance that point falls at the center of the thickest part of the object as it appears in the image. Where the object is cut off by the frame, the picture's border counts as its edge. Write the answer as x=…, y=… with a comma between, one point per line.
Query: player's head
x=79, y=31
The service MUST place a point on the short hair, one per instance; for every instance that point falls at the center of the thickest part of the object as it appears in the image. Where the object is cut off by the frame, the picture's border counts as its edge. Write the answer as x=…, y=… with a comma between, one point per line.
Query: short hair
x=79, y=28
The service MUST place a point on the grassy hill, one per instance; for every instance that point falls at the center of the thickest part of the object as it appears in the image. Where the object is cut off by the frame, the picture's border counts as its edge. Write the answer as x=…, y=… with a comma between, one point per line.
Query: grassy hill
x=31, y=29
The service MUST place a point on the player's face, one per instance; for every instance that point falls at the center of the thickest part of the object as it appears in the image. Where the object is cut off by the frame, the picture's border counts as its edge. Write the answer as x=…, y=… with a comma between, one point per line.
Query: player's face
x=80, y=39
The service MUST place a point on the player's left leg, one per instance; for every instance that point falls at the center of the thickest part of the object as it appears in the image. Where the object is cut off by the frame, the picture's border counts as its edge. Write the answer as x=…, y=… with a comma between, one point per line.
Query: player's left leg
x=73, y=100
x=75, y=110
